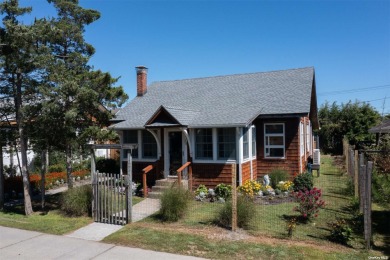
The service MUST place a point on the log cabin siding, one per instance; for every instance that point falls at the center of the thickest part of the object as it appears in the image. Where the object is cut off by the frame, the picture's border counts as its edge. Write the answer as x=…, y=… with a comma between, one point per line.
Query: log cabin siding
x=291, y=162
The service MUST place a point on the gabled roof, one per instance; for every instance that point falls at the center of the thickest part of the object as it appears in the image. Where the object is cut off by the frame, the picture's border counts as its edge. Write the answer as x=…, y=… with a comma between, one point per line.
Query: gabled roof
x=382, y=128
x=233, y=100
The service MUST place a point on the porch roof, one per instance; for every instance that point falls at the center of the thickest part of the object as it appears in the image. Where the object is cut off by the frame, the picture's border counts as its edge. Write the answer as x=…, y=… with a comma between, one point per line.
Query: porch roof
x=383, y=127
x=233, y=100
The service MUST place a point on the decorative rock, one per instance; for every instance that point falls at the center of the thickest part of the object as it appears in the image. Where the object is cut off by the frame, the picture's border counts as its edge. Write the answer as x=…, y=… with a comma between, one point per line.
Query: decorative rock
x=211, y=192
x=221, y=200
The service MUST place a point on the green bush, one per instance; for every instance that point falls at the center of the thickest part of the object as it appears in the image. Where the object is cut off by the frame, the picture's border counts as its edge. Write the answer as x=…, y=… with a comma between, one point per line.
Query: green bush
x=276, y=176
x=245, y=212
x=223, y=191
x=57, y=168
x=107, y=165
x=174, y=203
x=85, y=164
x=381, y=188
x=201, y=188
x=77, y=201
x=303, y=182
x=340, y=232
x=349, y=188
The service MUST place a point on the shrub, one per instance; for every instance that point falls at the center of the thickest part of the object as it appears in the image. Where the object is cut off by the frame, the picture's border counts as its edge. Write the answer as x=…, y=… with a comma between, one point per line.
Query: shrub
x=284, y=185
x=245, y=212
x=223, y=191
x=107, y=165
x=381, y=188
x=174, y=203
x=250, y=188
x=340, y=231
x=57, y=168
x=291, y=226
x=77, y=201
x=303, y=182
x=201, y=188
x=277, y=176
x=310, y=203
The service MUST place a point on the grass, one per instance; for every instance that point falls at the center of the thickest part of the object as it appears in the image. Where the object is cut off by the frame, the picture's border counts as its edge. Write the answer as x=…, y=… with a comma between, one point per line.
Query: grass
x=51, y=221
x=197, y=235
x=175, y=241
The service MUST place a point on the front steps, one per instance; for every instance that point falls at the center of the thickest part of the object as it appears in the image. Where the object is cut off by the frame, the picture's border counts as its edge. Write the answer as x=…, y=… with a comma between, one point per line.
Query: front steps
x=164, y=184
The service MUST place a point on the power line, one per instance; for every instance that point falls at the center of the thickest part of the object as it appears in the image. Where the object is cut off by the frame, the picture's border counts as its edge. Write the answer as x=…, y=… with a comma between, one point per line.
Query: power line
x=354, y=90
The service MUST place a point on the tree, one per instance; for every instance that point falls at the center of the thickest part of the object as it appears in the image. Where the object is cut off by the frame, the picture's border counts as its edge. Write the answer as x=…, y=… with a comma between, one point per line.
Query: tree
x=351, y=120
x=75, y=105
x=20, y=76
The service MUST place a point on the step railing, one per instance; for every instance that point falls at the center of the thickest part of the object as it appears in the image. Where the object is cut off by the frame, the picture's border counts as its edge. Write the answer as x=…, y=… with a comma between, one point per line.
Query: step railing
x=144, y=180
x=179, y=173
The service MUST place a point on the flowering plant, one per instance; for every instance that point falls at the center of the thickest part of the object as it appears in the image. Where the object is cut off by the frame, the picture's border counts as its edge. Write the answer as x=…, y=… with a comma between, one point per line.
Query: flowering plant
x=310, y=202
x=250, y=188
x=284, y=185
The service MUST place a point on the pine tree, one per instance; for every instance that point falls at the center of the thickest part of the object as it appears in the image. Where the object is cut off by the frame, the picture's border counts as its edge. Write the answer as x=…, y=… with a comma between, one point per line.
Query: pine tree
x=20, y=76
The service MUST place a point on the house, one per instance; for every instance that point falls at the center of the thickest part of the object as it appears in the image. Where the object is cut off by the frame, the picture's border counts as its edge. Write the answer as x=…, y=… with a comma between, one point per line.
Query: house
x=380, y=130
x=257, y=121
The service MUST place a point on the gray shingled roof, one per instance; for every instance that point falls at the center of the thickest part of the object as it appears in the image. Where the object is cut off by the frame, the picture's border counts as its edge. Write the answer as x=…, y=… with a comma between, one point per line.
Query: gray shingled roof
x=233, y=100
x=382, y=128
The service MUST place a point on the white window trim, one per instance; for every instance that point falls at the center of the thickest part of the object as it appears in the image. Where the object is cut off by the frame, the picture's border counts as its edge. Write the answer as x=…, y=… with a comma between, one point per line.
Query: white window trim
x=215, y=148
x=308, y=137
x=253, y=129
x=301, y=139
x=275, y=146
x=251, y=156
x=139, y=158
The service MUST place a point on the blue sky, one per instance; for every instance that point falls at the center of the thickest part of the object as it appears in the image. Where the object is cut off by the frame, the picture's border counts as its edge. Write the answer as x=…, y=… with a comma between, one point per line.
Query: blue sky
x=347, y=42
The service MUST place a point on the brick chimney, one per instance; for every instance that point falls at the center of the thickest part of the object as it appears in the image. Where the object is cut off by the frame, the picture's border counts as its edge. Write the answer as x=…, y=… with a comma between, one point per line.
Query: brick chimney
x=142, y=72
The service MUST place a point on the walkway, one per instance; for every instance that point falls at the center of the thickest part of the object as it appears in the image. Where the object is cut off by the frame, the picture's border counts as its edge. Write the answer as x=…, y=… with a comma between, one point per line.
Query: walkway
x=98, y=231
x=23, y=244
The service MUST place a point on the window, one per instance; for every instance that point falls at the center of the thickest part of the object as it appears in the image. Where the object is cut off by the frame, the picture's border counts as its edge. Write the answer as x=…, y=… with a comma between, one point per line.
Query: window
x=226, y=143
x=253, y=141
x=245, y=143
x=301, y=138
x=149, y=145
x=204, y=144
x=130, y=137
x=274, y=140
x=308, y=136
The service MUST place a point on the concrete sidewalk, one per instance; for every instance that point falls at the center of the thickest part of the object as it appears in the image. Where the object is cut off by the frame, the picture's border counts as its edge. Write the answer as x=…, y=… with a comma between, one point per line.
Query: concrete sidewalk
x=98, y=231
x=23, y=244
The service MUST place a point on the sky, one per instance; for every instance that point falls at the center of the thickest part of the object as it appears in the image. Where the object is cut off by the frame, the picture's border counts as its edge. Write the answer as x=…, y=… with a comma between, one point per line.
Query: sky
x=347, y=42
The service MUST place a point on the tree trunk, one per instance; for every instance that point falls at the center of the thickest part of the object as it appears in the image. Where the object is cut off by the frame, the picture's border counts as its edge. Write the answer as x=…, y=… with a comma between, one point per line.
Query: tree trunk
x=1, y=175
x=25, y=175
x=69, y=166
x=44, y=160
x=23, y=146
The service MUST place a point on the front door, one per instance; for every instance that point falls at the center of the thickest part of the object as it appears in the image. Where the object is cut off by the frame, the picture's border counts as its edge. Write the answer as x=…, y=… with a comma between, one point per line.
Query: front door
x=175, y=151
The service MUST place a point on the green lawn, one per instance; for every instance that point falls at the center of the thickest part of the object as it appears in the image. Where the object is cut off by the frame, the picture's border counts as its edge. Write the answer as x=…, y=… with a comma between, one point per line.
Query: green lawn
x=51, y=221
x=196, y=234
